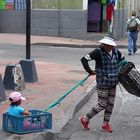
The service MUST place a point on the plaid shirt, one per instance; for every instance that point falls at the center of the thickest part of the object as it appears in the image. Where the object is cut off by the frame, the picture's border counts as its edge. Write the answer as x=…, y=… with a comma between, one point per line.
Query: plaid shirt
x=107, y=74
x=106, y=66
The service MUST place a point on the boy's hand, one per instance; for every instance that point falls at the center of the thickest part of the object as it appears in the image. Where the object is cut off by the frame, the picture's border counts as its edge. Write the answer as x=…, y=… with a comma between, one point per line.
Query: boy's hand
x=92, y=73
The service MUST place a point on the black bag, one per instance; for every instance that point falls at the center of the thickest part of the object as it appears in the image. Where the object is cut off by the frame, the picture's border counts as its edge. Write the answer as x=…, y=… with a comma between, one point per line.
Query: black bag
x=129, y=77
x=133, y=25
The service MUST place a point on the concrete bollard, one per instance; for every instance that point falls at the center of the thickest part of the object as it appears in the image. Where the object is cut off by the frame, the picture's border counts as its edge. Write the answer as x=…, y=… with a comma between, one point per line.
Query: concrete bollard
x=2, y=91
x=29, y=70
x=14, y=78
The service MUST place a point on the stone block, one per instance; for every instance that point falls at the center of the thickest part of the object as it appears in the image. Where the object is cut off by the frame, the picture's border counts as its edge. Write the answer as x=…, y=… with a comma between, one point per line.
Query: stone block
x=14, y=78
x=29, y=70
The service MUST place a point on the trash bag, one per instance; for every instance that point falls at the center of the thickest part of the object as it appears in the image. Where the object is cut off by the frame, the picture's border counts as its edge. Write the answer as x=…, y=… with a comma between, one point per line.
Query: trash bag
x=129, y=78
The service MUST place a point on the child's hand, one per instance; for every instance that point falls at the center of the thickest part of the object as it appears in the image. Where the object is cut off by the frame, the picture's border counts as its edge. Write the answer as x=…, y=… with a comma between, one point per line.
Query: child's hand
x=26, y=112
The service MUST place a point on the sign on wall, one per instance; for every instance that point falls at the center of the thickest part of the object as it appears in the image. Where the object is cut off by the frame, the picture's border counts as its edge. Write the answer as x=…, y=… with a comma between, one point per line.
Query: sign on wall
x=2, y=4
x=57, y=4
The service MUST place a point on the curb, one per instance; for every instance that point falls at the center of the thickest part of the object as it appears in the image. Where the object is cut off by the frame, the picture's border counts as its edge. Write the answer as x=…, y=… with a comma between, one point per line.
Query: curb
x=71, y=45
x=72, y=110
x=65, y=45
x=74, y=45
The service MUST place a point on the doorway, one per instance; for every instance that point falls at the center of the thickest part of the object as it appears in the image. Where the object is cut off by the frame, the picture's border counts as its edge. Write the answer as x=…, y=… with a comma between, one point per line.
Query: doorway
x=96, y=21
x=94, y=16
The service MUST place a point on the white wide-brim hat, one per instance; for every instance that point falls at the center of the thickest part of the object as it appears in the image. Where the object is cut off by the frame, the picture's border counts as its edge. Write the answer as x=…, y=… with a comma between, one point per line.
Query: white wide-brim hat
x=108, y=40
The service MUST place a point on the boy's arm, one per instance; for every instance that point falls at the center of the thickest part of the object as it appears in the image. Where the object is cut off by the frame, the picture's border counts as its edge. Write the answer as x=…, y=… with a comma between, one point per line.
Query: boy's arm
x=86, y=66
x=127, y=22
x=138, y=22
x=86, y=59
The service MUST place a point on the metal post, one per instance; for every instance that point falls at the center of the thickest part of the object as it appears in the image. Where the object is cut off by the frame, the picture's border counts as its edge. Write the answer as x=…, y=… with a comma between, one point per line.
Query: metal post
x=28, y=65
x=28, y=29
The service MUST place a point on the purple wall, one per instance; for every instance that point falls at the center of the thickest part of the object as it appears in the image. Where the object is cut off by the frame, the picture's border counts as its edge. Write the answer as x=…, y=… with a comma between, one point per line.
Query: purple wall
x=94, y=11
x=94, y=16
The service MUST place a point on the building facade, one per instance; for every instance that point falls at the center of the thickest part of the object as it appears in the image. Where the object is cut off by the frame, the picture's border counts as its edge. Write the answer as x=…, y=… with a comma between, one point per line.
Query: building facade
x=67, y=18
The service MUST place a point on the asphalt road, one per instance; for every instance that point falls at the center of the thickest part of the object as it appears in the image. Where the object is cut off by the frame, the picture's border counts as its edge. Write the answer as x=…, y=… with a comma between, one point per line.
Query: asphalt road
x=125, y=121
x=125, y=118
x=60, y=55
x=126, y=115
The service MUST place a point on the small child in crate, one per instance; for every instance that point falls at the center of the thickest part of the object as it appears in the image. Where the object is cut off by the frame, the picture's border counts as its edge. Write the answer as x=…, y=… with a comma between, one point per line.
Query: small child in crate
x=28, y=122
x=14, y=109
x=15, y=98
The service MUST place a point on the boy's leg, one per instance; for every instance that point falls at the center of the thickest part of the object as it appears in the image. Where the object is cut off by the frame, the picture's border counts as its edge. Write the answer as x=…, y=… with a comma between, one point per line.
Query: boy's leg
x=129, y=43
x=108, y=110
x=135, y=37
x=110, y=105
x=102, y=103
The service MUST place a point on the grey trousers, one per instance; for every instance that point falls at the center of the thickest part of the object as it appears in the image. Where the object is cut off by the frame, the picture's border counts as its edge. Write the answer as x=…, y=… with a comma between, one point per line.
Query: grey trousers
x=106, y=98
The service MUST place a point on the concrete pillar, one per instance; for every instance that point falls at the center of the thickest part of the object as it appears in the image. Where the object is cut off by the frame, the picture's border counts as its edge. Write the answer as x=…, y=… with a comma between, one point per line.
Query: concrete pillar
x=29, y=70
x=2, y=91
x=14, y=78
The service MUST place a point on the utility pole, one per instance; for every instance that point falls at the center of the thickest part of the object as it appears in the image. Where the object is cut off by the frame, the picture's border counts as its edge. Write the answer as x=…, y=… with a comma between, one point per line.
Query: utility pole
x=28, y=65
x=28, y=29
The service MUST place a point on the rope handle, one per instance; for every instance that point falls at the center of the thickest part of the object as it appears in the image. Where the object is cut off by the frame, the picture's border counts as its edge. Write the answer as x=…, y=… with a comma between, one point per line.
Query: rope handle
x=62, y=97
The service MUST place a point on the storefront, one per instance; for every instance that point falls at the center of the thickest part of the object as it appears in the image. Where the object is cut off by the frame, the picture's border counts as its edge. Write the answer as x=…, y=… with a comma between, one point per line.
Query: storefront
x=100, y=14
x=66, y=18
x=13, y=4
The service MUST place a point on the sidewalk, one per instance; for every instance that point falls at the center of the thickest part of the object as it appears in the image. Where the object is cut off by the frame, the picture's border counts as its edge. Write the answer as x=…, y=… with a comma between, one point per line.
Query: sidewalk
x=54, y=80
x=54, y=41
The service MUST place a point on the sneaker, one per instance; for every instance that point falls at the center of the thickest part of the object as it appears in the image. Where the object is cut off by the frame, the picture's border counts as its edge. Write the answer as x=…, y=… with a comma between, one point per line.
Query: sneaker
x=129, y=53
x=107, y=127
x=134, y=51
x=84, y=123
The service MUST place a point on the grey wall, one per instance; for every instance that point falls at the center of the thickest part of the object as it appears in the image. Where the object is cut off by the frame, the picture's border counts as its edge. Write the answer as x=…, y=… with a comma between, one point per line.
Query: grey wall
x=73, y=24
x=12, y=21
x=64, y=23
x=119, y=24
x=45, y=22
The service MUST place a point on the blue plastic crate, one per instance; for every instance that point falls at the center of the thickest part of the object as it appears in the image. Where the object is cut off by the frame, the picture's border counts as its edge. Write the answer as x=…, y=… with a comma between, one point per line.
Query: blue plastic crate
x=36, y=121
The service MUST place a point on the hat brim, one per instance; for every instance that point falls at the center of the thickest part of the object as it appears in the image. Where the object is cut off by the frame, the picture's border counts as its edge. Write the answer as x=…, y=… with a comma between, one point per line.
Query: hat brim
x=108, y=42
x=23, y=98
